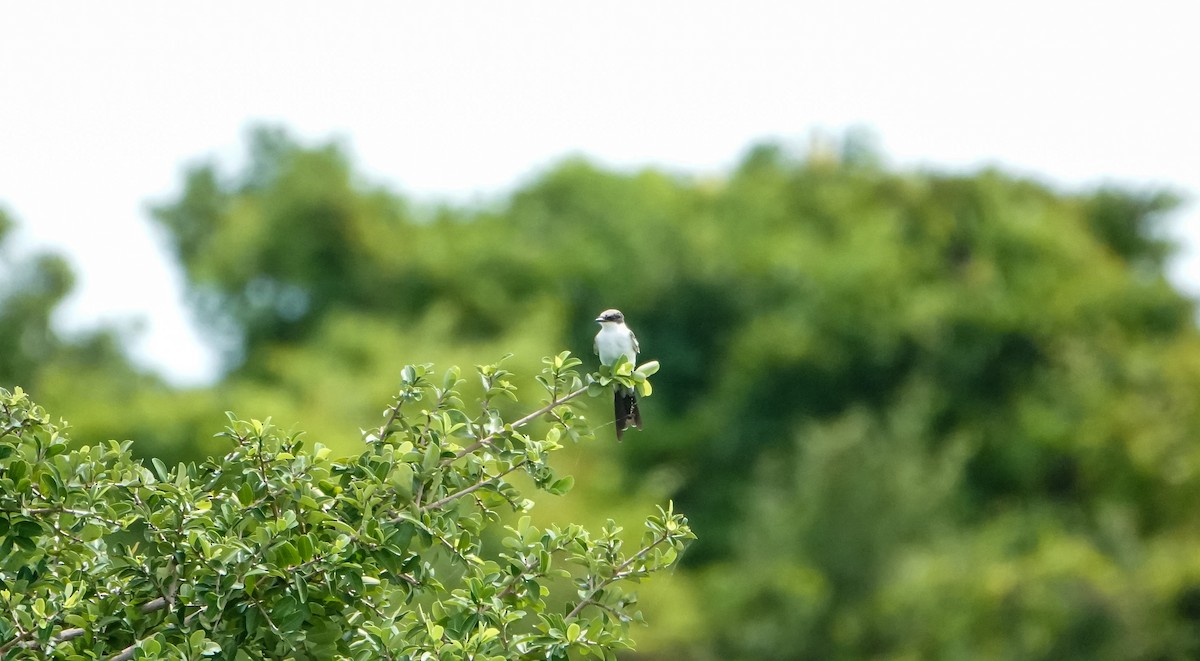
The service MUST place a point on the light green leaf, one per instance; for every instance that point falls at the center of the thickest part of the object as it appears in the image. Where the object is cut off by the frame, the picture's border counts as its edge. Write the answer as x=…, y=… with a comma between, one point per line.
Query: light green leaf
x=649, y=369
x=91, y=532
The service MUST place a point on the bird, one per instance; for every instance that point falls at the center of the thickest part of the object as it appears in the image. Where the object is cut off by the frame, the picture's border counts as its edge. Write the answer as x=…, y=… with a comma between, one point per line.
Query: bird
x=613, y=341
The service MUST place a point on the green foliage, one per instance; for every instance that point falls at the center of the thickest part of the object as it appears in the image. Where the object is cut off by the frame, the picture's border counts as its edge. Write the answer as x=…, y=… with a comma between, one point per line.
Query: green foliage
x=30, y=292
x=912, y=414
x=277, y=550
x=89, y=370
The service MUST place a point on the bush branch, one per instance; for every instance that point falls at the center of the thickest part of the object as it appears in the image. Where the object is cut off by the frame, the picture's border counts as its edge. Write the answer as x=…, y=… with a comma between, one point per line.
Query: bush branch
x=75, y=632
x=471, y=489
x=617, y=575
x=519, y=423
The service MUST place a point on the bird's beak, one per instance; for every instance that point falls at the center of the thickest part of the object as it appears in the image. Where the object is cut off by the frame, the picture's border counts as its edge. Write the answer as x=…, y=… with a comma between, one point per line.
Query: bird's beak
x=600, y=319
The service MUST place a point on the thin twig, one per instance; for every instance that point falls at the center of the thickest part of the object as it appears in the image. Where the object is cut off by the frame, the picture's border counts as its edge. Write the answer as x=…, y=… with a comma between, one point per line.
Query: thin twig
x=519, y=423
x=75, y=632
x=127, y=653
x=617, y=576
x=471, y=489
x=392, y=417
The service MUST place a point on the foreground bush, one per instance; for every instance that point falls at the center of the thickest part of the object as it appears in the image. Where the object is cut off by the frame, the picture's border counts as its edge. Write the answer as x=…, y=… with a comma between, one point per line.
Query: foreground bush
x=279, y=550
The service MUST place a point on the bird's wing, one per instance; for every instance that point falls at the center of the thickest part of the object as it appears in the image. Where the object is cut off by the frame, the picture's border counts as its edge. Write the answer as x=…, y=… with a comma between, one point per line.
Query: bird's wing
x=636, y=348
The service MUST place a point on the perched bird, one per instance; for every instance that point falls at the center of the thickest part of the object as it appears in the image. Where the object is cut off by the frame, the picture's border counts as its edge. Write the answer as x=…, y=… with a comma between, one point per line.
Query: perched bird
x=613, y=341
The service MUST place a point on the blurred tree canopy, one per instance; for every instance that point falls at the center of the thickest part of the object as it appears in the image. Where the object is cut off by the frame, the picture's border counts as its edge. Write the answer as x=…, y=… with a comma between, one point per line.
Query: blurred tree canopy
x=32, y=353
x=910, y=414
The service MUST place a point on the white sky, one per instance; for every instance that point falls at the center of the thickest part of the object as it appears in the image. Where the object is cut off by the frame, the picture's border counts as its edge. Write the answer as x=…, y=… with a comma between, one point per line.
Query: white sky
x=101, y=104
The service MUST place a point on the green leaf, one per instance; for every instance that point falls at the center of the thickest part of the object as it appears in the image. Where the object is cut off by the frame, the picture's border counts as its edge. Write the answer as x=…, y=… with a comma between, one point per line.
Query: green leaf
x=17, y=470
x=562, y=485
x=644, y=389
x=245, y=494
x=288, y=554
x=27, y=529
x=341, y=526
x=305, y=547
x=433, y=456
x=451, y=378
x=91, y=532
x=301, y=587
x=150, y=647
x=402, y=479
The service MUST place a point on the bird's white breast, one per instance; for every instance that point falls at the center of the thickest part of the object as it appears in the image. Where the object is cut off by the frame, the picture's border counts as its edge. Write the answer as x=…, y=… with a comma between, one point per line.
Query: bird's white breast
x=612, y=341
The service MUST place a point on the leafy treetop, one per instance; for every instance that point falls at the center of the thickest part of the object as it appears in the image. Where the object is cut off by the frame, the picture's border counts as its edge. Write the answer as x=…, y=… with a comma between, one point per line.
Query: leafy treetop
x=280, y=550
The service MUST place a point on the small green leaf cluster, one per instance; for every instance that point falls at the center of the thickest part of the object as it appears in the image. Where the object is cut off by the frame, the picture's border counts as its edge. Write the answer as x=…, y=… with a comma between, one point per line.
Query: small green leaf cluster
x=624, y=374
x=280, y=550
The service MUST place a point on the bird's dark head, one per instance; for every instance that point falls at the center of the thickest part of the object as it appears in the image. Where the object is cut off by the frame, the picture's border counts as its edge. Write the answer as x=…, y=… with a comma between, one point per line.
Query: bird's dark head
x=611, y=316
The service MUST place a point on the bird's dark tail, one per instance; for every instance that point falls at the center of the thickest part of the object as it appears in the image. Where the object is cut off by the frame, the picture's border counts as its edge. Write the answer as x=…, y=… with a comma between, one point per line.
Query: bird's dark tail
x=625, y=409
